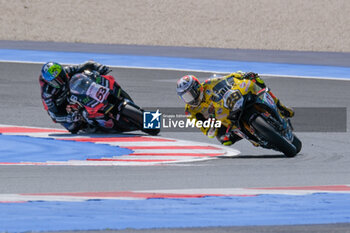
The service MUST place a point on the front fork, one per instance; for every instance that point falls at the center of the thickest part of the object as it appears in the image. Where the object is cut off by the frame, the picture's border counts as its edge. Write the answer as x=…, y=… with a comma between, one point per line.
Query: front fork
x=282, y=126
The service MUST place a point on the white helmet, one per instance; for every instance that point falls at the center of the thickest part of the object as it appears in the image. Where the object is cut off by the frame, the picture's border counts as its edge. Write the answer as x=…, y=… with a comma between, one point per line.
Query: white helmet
x=190, y=90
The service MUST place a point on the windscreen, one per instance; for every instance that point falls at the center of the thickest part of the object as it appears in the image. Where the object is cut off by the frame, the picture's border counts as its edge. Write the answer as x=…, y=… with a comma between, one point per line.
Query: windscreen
x=79, y=84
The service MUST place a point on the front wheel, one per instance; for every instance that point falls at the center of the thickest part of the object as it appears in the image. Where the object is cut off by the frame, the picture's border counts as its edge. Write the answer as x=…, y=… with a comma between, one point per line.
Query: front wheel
x=297, y=143
x=273, y=137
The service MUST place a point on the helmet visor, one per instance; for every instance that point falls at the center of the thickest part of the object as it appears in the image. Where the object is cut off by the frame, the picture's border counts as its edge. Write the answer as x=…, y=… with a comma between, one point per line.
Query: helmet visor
x=190, y=96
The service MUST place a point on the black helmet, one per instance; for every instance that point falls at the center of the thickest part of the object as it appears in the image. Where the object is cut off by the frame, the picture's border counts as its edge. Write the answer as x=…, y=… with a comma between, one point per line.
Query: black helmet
x=54, y=74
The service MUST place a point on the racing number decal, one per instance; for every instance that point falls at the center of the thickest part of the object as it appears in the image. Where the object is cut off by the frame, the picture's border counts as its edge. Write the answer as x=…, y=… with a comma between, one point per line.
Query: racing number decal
x=100, y=93
x=97, y=92
x=231, y=97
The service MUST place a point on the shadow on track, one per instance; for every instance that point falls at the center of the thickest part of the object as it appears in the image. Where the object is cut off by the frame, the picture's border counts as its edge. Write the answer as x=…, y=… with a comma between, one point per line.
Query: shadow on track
x=272, y=156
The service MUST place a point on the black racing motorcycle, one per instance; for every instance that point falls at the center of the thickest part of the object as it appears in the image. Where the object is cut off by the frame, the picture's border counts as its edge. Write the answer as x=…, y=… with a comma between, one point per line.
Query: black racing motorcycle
x=103, y=105
x=256, y=118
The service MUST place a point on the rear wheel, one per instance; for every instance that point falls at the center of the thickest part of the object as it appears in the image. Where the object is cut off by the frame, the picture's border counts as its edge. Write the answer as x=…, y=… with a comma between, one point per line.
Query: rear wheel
x=135, y=115
x=274, y=138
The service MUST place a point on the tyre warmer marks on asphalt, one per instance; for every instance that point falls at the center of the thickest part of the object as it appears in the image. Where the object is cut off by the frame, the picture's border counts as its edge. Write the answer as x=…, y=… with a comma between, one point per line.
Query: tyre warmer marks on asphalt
x=167, y=208
x=40, y=146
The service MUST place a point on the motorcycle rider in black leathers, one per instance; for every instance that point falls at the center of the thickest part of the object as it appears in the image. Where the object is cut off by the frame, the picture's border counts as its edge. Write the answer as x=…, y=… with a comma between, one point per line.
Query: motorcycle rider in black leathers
x=54, y=82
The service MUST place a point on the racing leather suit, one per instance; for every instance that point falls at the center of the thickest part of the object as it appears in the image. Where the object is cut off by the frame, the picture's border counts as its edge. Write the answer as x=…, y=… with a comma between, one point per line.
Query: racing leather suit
x=55, y=100
x=210, y=107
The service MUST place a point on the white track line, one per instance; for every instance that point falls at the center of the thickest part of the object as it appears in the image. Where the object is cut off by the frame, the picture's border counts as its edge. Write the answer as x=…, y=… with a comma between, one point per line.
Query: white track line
x=142, y=195
x=200, y=71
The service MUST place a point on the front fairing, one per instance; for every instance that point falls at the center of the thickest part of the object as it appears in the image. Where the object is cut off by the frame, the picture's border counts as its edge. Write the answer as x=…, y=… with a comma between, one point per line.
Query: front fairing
x=252, y=101
x=265, y=98
x=263, y=104
x=239, y=96
x=87, y=92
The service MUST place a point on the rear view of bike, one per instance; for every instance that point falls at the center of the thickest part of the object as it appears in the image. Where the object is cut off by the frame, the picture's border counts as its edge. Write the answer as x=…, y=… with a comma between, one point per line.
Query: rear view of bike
x=104, y=105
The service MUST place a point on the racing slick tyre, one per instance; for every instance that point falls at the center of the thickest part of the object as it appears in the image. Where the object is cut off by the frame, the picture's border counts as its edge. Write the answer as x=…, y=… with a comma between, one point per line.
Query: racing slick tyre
x=297, y=143
x=273, y=137
x=135, y=114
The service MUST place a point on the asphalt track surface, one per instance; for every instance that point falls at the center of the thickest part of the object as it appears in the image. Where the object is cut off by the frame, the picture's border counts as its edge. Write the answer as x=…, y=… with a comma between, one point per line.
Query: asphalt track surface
x=324, y=159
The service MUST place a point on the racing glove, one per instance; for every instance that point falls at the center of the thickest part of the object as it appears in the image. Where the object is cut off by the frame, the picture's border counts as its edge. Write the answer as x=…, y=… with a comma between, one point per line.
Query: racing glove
x=73, y=117
x=254, y=76
x=103, y=69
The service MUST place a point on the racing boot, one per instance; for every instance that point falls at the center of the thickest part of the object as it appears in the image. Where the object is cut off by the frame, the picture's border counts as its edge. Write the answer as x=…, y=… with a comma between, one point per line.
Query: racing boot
x=226, y=137
x=228, y=140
